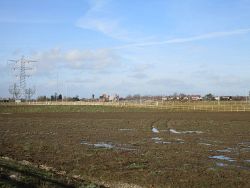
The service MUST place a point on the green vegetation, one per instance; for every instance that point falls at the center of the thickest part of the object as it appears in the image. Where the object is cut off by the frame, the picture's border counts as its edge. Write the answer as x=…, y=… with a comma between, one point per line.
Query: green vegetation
x=137, y=165
x=15, y=174
x=69, y=108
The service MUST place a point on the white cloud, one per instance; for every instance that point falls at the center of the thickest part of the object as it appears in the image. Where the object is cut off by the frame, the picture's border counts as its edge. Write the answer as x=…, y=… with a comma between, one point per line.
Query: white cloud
x=188, y=39
x=97, y=19
x=77, y=59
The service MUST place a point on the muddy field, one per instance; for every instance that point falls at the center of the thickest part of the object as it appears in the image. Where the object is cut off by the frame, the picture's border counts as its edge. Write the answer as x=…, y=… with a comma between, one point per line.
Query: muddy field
x=119, y=149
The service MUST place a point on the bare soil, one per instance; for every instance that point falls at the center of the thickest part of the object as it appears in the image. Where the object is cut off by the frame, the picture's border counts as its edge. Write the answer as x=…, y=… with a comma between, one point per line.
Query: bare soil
x=119, y=149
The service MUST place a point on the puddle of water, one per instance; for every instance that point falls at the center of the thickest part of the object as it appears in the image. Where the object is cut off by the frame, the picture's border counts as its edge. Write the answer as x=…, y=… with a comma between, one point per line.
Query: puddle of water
x=174, y=131
x=126, y=129
x=157, y=138
x=6, y=113
x=227, y=150
x=159, y=141
x=206, y=144
x=163, y=142
x=103, y=145
x=155, y=130
x=98, y=145
x=222, y=157
x=197, y=132
x=221, y=164
x=184, y=132
x=127, y=149
x=85, y=142
x=247, y=161
x=106, y=146
x=236, y=166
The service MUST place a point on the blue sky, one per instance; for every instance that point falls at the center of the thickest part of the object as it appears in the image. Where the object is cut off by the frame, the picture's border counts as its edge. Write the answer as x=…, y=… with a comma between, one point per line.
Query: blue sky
x=128, y=46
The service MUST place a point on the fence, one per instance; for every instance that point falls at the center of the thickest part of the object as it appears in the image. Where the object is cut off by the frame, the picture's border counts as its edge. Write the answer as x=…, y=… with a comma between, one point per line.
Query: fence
x=206, y=106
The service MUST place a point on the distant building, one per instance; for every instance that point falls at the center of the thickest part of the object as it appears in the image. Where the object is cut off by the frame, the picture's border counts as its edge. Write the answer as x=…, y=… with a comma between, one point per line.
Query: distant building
x=104, y=98
x=114, y=98
x=217, y=98
x=109, y=98
x=195, y=97
x=226, y=98
x=4, y=100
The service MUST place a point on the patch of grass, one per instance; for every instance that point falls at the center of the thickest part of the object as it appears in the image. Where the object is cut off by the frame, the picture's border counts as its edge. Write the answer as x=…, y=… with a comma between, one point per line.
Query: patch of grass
x=31, y=176
x=137, y=165
x=69, y=108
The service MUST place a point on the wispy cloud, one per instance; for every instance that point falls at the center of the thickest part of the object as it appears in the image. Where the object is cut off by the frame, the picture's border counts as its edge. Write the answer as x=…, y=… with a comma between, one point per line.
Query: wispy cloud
x=97, y=19
x=188, y=39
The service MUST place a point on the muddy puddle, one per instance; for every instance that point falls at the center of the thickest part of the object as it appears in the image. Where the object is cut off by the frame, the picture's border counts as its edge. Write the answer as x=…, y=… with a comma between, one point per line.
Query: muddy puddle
x=103, y=145
x=163, y=142
x=185, y=132
x=205, y=144
x=221, y=164
x=155, y=130
x=226, y=150
x=158, y=140
x=224, y=165
x=108, y=145
x=222, y=157
x=126, y=129
x=238, y=149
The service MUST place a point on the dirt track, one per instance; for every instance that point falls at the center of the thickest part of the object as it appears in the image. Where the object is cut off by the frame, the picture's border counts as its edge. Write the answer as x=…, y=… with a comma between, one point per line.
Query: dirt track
x=119, y=148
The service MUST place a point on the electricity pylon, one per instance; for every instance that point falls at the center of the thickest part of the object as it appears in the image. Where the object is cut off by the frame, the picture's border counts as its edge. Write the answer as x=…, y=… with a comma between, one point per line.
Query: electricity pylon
x=20, y=68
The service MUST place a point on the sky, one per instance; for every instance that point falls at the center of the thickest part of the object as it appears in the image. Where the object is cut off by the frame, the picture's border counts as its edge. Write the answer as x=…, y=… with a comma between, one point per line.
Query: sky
x=146, y=47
